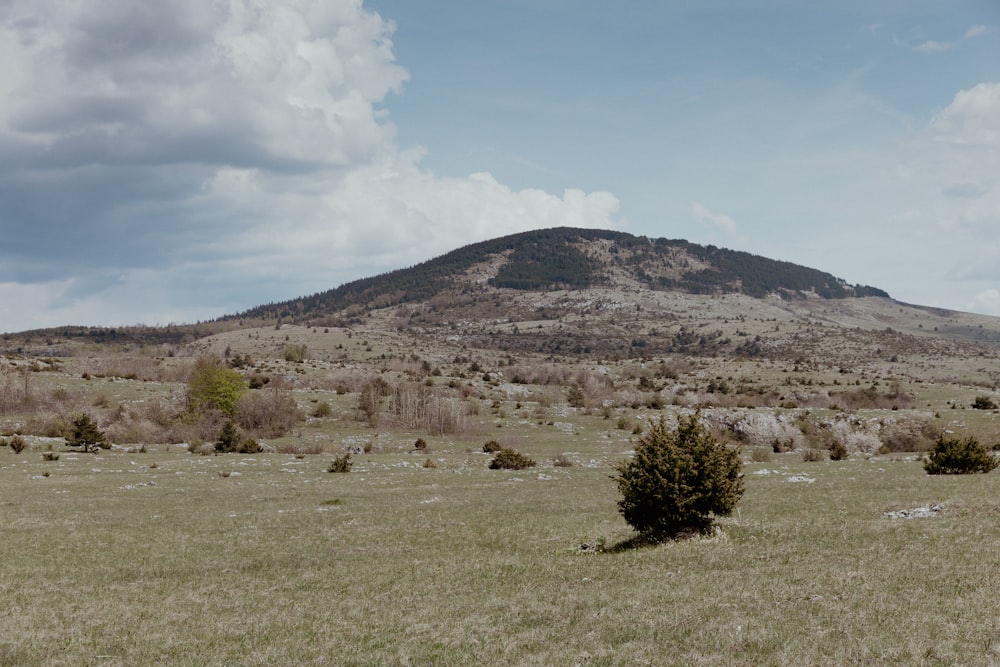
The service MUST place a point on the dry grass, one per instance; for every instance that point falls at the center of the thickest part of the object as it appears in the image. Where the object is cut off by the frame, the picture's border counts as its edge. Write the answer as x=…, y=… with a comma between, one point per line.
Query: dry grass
x=107, y=561
x=129, y=557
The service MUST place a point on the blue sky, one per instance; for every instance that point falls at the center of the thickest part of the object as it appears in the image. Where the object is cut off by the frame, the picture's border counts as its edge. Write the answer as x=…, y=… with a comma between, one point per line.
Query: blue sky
x=179, y=161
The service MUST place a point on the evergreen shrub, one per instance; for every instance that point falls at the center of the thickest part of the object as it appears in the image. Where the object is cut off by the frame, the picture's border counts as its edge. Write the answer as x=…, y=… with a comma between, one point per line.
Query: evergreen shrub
x=510, y=459
x=954, y=456
x=677, y=480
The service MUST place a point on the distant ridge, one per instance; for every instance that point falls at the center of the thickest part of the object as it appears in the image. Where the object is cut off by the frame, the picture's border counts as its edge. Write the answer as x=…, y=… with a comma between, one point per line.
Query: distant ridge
x=570, y=258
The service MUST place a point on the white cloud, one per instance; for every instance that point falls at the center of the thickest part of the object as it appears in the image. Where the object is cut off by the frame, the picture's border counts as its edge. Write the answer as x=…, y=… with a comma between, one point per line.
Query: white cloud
x=978, y=31
x=951, y=168
x=187, y=159
x=947, y=187
x=720, y=220
x=932, y=46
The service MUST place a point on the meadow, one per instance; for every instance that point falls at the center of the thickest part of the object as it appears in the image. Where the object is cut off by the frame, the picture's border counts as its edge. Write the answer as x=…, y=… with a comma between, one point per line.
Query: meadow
x=166, y=557
x=153, y=551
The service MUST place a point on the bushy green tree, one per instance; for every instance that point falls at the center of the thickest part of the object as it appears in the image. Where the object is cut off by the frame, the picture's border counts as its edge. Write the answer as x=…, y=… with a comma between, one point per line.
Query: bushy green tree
x=229, y=438
x=954, y=456
x=510, y=459
x=678, y=479
x=214, y=386
x=86, y=434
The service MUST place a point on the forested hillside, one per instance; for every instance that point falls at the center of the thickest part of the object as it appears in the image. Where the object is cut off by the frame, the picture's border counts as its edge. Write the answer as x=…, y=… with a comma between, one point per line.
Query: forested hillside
x=569, y=258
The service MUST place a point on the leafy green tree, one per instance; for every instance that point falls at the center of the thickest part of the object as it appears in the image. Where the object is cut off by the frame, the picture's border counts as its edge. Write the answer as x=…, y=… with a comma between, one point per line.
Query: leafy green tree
x=677, y=480
x=86, y=434
x=214, y=386
x=954, y=456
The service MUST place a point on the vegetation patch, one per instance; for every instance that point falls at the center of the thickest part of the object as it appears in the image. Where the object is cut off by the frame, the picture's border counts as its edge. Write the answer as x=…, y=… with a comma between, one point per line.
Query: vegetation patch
x=678, y=480
x=510, y=459
x=959, y=456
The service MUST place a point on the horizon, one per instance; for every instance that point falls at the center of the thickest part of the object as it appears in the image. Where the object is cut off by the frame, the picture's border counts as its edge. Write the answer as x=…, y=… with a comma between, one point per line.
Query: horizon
x=177, y=163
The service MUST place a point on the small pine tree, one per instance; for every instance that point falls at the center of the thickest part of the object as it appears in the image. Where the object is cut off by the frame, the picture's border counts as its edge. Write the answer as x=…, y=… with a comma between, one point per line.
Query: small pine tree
x=952, y=456
x=510, y=459
x=86, y=434
x=229, y=438
x=677, y=480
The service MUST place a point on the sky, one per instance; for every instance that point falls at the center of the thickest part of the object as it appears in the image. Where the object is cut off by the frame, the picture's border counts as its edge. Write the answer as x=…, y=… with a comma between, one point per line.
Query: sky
x=181, y=160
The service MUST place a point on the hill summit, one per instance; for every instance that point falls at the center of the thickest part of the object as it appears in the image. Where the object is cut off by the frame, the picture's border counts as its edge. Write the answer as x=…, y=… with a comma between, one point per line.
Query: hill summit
x=567, y=258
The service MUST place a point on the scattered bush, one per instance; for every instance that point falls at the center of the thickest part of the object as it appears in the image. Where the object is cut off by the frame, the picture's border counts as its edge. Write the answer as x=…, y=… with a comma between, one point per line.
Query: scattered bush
x=420, y=444
x=17, y=444
x=50, y=456
x=86, y=434
x=429, y=463
x=340, y=464
x=491, y=447
x=677, y=480
x=257, y=381
x=562, y=461
x=954, y=456
x=322, y=409
x=984, y=403
x=269, y=414
x=838, y=452
x=250, y=446
x=812, y=455
x=295, y=353
x=510, y=459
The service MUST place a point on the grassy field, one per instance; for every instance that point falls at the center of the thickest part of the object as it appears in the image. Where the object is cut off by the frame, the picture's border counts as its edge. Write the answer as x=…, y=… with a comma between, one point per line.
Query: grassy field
x=429, y=558
x=158, y=558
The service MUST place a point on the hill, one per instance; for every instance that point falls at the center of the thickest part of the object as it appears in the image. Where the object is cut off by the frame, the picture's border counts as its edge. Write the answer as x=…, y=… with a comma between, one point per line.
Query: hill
x=586, y=292
x=571, y=259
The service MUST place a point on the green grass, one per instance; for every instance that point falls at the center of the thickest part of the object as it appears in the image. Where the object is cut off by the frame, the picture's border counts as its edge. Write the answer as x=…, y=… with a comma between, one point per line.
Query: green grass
x=111, y=562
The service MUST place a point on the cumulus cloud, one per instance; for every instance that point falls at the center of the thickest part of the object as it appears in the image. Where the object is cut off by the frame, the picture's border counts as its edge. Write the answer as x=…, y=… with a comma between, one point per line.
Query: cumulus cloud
x=952, y=166
x=948, y=181
x=720, y=220
x=161, y=160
